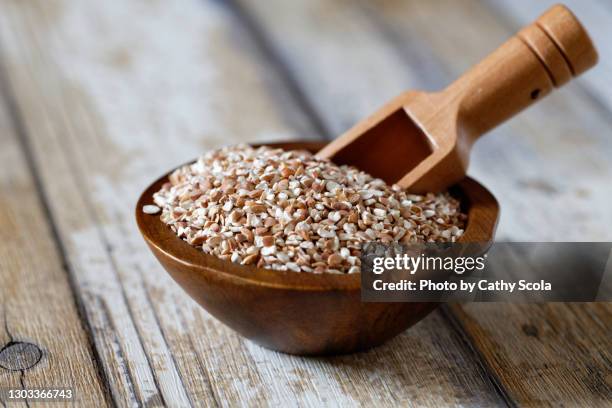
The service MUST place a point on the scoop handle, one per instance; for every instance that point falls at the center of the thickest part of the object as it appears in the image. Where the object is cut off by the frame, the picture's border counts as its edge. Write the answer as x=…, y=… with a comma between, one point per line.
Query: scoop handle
x=543, y=55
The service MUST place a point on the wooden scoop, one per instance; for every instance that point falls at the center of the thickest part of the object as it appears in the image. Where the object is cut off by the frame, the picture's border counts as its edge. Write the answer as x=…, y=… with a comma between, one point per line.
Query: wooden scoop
x=431, y=134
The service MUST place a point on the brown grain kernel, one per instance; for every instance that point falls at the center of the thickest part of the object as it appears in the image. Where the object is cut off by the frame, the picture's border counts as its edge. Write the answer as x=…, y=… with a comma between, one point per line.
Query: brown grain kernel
x=214, y=241
x=235, y=216
x=256, y=208
x=198, y=240
x=334, y=260
x=307, y=182
x=233, y=244
x=340, y=206
x=354, y=198
x=216, y=195
x=268, y=240
x=248, y=234
x=249, y=259
x=260, y=230
x=329, y=244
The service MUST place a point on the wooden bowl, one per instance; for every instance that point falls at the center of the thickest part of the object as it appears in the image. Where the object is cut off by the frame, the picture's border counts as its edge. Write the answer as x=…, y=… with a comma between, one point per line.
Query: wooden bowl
x=298, y=313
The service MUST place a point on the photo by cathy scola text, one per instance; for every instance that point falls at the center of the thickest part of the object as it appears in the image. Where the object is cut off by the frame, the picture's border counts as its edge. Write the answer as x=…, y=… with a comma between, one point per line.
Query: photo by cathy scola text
x=543, y=272
x=463, y=285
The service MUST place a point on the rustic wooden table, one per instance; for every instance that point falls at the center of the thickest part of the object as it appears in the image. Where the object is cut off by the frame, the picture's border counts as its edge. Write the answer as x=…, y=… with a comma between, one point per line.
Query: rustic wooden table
x=98, y=98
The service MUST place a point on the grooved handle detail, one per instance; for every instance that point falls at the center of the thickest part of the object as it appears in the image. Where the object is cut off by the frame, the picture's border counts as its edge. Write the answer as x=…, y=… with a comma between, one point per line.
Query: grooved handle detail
x=543, y=55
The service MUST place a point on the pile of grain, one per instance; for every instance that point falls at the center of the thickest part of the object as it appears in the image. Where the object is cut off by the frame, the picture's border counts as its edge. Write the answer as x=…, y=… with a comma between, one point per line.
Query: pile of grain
x=289, y=210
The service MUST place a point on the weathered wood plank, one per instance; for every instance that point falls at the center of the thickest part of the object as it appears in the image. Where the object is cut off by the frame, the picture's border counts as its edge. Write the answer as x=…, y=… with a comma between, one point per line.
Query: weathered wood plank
x=528, y=158
x=111, y=101
x=42, y=340
x=88, y=78
x=345, y=68
x=98, y=108
x=549, y=354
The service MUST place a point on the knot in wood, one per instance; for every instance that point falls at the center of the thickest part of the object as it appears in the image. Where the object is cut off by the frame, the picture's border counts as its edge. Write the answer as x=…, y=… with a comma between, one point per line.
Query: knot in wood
x=18, y=356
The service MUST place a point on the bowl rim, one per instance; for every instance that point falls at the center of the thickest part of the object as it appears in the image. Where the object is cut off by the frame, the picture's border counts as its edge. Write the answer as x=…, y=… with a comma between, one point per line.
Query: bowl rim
x=481, y=206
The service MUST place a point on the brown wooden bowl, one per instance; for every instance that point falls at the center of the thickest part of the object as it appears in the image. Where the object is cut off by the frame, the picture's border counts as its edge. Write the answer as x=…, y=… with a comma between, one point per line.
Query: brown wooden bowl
x=298, y=313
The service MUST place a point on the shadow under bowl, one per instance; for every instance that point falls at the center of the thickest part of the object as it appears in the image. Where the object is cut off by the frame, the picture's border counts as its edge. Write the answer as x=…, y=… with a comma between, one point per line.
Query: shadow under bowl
x=298, y=313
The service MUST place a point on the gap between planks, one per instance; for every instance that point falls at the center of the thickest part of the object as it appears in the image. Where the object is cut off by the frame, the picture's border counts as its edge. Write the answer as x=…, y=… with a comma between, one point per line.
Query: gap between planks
x=23, y=168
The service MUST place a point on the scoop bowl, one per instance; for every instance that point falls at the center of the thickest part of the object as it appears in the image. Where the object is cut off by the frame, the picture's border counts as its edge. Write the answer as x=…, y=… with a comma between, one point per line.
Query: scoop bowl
x=298, y=313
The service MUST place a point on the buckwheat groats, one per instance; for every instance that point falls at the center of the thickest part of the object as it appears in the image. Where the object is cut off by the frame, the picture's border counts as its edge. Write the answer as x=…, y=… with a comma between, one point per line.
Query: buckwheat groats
x=289, y=210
